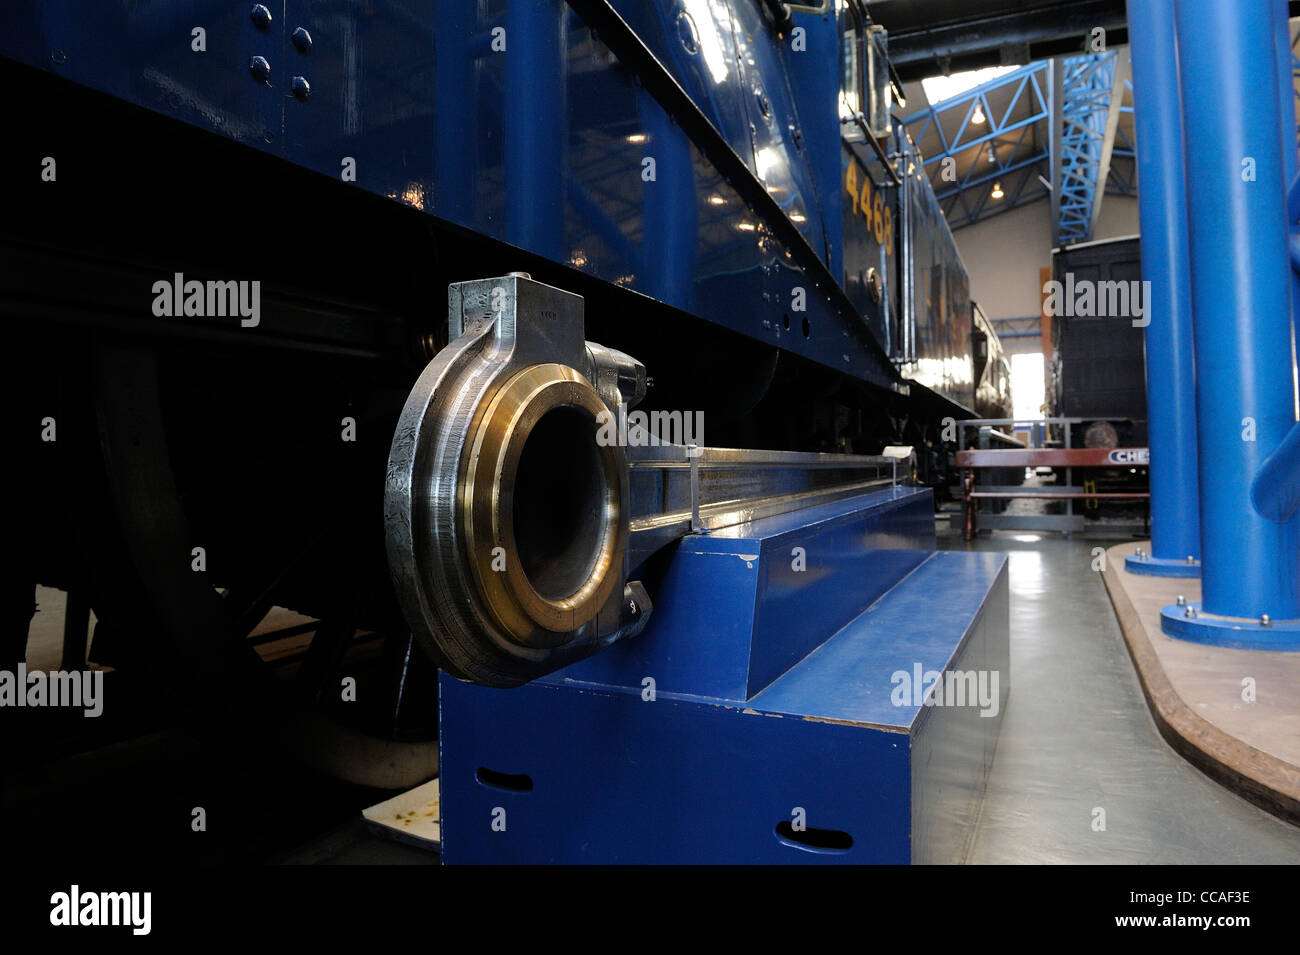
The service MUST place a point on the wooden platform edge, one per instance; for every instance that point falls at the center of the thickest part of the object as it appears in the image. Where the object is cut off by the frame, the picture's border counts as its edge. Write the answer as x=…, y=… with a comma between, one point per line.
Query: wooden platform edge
x=1258, y=777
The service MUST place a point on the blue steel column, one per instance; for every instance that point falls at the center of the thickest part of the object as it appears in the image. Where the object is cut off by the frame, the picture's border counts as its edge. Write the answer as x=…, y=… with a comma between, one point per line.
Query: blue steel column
x=1171, y=373
x=1286, y=102
x=1241, y=298
x=536, y=123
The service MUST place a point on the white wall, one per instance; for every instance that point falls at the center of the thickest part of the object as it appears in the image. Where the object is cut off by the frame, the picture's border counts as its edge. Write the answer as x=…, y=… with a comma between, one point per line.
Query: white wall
x=1003, y=256
x=1118, y=217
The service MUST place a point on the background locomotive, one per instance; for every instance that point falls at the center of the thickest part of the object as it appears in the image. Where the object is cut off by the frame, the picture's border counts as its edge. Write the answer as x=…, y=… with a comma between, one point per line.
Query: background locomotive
x=723, y=183
x=1098, y=372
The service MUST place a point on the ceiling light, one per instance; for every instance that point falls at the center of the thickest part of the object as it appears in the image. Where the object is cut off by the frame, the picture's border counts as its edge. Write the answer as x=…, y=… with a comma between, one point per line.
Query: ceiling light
x=978, y=117
x=997, y=192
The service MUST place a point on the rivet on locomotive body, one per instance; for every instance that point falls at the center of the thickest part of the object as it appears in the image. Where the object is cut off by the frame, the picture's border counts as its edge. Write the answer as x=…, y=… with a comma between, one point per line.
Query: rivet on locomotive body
x=260, y=68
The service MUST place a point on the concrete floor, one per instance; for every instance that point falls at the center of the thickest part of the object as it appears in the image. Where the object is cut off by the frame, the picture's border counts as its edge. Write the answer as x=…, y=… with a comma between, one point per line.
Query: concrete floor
x=1077, y=737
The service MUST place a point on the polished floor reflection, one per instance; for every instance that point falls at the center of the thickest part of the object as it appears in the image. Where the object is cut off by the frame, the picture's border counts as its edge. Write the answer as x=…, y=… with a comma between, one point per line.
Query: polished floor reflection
x=1078, y=738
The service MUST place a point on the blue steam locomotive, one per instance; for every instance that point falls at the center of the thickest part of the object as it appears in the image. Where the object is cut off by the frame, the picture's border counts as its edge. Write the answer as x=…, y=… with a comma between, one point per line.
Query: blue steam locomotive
x=722, y=182
x=737, y=162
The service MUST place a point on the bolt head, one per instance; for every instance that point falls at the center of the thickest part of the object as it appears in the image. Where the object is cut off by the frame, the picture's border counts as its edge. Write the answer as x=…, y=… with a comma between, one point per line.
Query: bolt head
x=1265, y=620
x=1182, y=601
x=260, y=16
x=260, y=69
x=301, y=39
x=301, y=88
x=1191, y=559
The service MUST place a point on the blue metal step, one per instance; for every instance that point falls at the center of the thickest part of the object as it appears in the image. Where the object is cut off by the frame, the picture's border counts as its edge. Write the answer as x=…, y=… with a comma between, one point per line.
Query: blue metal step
x=630, y=756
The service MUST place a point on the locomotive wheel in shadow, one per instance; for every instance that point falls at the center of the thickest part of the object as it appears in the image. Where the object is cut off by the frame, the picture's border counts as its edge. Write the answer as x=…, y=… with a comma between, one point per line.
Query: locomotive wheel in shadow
x=229, y=489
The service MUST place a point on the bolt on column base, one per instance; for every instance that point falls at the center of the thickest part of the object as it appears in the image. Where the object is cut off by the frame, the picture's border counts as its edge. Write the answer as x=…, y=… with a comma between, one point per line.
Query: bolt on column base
x=1142, y=562
x=1187, y=621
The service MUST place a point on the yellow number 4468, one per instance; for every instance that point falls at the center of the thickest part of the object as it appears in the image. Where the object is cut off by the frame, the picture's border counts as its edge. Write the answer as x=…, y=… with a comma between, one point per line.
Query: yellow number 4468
x=871, y=205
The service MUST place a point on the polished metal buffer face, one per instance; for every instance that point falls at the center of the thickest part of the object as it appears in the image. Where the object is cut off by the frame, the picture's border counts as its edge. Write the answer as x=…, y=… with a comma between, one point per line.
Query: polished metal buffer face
x=519, y=502
x=507, y=521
